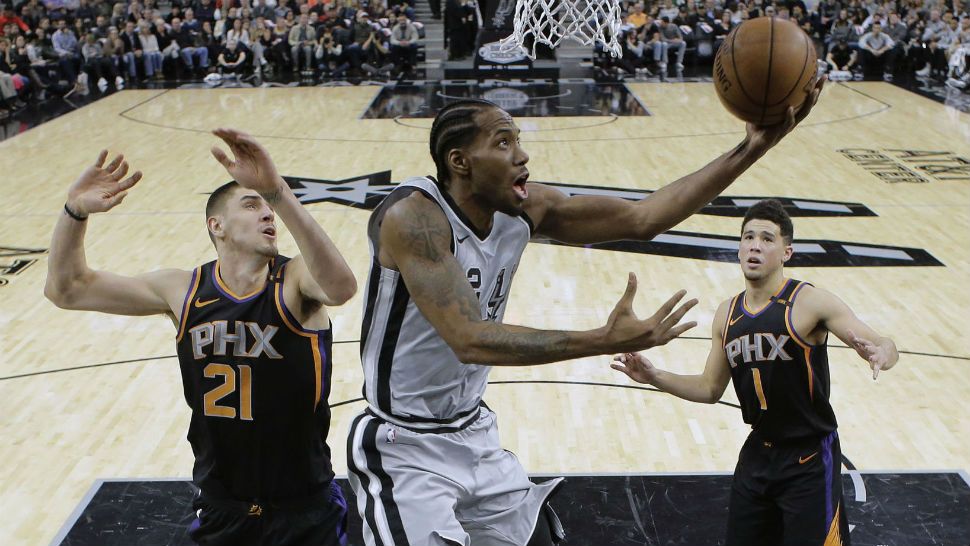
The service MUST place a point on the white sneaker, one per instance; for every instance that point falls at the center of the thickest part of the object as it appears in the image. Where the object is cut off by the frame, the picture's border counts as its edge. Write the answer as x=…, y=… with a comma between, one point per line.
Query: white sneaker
x=102, y=84
x=119, y=83
x=82, y=85
x=887, y=77
x=679, y=66
x=956, y=84
x=923, y=72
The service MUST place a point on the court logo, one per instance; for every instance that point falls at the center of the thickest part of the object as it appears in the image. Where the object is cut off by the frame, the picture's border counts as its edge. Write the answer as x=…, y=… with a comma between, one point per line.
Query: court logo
x=896, y=165
x=367, y=191
x=14, y=260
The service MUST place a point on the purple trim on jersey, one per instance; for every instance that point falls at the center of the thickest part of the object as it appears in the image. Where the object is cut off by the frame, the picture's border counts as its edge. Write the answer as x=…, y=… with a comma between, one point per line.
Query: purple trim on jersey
x=188, y=295
x=744, y=306
x=217, y=282
x=337, y=497
x=829, y=470
x=788, y=312
x=289, y=314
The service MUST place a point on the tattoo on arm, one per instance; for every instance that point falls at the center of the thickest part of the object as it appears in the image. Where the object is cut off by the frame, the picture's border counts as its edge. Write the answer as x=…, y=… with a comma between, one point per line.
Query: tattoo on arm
x=424, y=235
x=526, y=345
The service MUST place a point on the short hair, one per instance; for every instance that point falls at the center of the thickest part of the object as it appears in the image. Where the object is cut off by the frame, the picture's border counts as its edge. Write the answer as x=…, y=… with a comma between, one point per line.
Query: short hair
x=773, y=211
x=217, y=200
x=454, y=127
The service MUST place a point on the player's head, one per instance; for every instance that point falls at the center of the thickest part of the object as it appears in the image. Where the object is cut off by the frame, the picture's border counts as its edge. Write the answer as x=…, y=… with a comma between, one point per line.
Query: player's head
x=475, y=142
x=240, y=219
x=766, y=237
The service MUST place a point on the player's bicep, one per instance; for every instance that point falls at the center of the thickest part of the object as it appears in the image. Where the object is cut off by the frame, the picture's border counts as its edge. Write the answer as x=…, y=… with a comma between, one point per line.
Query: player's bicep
x=418, y=239
x=146, y=294
x=583, y=219
x=836, y=317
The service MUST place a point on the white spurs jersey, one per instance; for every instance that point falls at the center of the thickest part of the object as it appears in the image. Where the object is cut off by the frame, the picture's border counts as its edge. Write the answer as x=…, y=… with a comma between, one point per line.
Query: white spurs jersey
x=411, y=376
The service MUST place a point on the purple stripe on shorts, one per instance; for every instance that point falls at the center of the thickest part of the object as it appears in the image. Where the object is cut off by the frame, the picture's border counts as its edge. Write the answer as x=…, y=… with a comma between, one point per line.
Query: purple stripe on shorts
x=829, y=470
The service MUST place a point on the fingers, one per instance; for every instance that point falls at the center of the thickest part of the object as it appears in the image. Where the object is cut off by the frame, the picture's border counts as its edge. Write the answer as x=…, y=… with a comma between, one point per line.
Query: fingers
x=676, y=331
x=120, y=172
x=116, y=199
x=667, y=307
x=875, y=370
x=127, y=183
x=673, y=319
x=115, y=163
x=222, y=158
x=626, y=371
x=101, y=157
x=631, y=290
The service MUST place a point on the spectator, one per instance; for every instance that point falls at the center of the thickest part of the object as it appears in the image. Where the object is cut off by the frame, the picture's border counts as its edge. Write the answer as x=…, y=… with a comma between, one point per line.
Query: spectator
x=935, y=27
x=632, y=61
x=841, y=57
x=151, y=52
x=166, y=40
x=722, y=27
x=237, y=33
x=231, y=60
x=204, y=12
x=877, y=52
x=377, y=54
x=133, y=52
x=404, y=45
x=260, y=9
x=7, y=17
x=66, y=47
x=302, y=40
x=99, y=68
x=460, y=28
x=190, y=22
x=669, y=10
x=672, y=38
x=191, y=49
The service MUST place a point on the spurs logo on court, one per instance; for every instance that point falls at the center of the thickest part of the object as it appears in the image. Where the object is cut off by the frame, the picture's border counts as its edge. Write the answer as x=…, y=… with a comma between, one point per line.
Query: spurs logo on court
x=751, y=348
x=18, y=265
x=216, y=334
x=366, y=192
x=894, y=165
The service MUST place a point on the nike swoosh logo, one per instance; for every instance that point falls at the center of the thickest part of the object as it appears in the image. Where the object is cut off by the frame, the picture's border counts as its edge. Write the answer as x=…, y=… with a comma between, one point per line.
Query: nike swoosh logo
x=199, y=303
x=735, y=320
x=803, y=460
x=462, y=239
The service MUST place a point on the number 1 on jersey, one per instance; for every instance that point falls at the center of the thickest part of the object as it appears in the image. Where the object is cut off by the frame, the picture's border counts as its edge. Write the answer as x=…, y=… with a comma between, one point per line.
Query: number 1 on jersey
x=228, y=386
x=758, y=389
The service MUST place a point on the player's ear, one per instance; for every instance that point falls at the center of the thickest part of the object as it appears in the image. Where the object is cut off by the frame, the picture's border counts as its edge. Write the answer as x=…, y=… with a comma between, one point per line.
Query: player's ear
x=214, y=224
x=789, y=250
x=457, y=162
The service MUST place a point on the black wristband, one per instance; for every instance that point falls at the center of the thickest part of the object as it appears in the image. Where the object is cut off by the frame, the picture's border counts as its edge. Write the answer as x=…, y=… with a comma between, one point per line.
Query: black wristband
x=73, y=214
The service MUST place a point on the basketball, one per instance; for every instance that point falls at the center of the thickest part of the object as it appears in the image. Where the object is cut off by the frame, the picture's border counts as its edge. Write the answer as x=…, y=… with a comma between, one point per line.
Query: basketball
x=764, y=66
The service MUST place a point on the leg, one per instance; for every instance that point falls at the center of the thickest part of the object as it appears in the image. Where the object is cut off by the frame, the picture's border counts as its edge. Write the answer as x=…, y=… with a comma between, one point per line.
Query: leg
x=187, y=57
x=753, y=518
x=323, y=524
x=811, y=498
x=681, y=47
x=224, y=524
x=407, y=485
x=505, y=508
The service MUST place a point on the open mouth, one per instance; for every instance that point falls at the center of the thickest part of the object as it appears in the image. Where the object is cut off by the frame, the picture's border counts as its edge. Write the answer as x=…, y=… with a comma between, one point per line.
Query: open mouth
x=754, y=261
x=518, y=186
x=269, y=231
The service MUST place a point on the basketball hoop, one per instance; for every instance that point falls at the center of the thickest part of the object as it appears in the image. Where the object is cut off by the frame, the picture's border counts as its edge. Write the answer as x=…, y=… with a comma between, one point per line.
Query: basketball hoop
x=549, y=22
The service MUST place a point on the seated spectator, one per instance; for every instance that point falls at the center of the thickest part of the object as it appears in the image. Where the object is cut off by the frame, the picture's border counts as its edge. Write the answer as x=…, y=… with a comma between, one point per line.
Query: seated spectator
x=330, y=55
x=151, y=52
x=632, y=60
x=841, y=58
x=377, y=54
x=232, y=60
x=722, y=27
x=133, y=52
x=66, y=47
x=193, y=52
x=877, y=52
x=637, y=18
x=302, y=40
x=404, y=45
x=842, y=29
x=672, y=38
x=99, y=68
x=166, y=40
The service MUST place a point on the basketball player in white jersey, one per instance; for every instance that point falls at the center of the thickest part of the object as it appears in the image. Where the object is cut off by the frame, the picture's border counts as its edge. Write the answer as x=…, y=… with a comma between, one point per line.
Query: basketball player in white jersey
x=424, y=458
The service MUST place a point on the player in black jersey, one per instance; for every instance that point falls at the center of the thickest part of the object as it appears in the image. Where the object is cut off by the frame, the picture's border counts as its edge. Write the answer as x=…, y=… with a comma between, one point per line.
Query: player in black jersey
x=771, y=340
x=253, y=345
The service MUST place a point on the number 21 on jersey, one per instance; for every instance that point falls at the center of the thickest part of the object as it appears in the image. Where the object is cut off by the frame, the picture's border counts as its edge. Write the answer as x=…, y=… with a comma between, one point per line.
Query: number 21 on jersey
x=210, y=401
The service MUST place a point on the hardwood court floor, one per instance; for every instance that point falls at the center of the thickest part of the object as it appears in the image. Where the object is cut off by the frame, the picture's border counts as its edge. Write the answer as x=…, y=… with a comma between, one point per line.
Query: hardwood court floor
x=63, y=430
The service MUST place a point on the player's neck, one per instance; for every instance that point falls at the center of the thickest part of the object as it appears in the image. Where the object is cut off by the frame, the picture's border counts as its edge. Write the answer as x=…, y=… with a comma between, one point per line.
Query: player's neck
x=243, y=274
x=480, y=217
x=759, y=292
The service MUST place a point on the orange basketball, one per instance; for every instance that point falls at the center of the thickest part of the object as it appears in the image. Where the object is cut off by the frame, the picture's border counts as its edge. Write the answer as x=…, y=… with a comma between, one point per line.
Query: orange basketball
x=764, y=66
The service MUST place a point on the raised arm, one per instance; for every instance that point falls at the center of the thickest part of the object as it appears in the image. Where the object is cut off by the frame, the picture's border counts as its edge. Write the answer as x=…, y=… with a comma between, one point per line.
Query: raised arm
x=835, y=316
x=590, y=219
x=323, y=274
x=416, y=240
x=707, y=387
x=71, y=284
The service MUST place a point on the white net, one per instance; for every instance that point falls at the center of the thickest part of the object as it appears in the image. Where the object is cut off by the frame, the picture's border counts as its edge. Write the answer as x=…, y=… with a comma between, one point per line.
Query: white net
x=549, y=22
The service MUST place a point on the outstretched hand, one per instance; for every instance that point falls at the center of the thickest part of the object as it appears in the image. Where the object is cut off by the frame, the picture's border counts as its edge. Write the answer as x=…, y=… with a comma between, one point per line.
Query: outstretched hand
x=625, y=332
x=252, y=167
x=636, y=366
x=877, y=357
x=101, y=187
x=764, y=137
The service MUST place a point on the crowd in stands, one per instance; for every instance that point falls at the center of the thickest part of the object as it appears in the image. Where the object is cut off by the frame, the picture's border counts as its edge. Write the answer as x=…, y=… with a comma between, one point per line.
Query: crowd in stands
x=855, y=37
x=98, y=46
